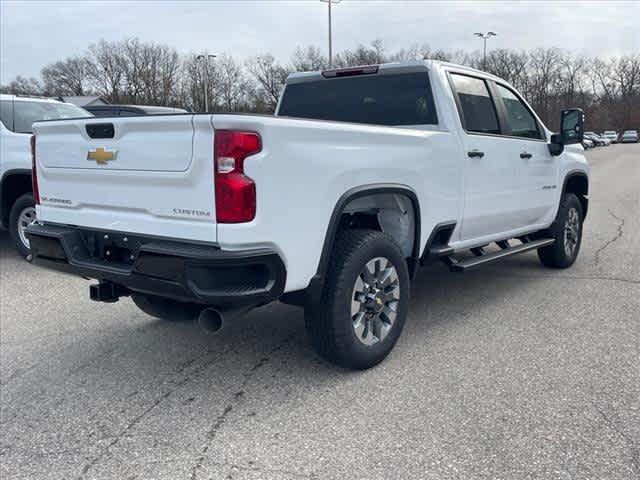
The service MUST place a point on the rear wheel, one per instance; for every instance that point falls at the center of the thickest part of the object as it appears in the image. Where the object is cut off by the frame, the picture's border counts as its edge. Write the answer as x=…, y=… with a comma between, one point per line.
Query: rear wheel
x=364, y=303
x=567, y=232
x=166, y=309
x=23, y=212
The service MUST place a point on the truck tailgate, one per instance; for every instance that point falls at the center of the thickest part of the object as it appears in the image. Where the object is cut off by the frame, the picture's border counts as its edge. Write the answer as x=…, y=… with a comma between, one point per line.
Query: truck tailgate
x=147, y=174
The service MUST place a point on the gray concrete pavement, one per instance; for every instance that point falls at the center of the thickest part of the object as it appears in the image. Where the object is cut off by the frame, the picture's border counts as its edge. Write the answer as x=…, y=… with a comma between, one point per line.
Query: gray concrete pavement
x=509, y=372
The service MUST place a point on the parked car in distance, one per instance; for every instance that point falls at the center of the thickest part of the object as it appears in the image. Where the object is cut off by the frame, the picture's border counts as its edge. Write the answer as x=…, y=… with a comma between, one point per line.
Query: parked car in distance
x=130, y=110
x=587, y=143
x=629, y=136
x=372, y=160
x=17, y=114
x=596, y=139
x=611, y=135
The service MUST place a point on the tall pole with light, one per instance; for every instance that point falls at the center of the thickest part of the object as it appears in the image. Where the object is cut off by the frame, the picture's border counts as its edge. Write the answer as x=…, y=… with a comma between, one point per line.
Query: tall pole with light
x=205, y=68
x=329, y=3
x=485, y=37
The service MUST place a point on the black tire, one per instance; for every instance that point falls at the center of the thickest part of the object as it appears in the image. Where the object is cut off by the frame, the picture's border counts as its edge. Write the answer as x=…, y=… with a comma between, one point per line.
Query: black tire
x=165, y=308
x=23, y=203
x=330, y=323
x=558, y=255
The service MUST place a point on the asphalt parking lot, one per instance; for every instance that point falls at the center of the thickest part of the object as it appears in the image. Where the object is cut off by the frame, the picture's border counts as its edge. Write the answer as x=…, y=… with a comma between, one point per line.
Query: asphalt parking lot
x=509, y=372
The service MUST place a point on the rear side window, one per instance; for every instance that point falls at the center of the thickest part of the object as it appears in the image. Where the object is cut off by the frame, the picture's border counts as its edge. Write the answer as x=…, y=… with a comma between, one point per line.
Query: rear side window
x=476, y=107
x=392, y=99
x=521, y=120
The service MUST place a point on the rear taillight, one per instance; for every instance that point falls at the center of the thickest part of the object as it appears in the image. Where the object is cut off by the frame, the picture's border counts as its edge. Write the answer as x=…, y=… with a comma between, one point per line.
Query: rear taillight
x=235, y=192
x=34, y=176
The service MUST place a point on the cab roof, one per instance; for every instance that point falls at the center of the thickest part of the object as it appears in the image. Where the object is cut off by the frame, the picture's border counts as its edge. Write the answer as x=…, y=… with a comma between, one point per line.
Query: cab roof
x=383, y=68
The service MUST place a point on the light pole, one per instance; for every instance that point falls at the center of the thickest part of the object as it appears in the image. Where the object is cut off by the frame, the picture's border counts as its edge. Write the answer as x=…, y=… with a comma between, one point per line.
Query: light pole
x=485, y=37
x=205, y=76
x=329, y=3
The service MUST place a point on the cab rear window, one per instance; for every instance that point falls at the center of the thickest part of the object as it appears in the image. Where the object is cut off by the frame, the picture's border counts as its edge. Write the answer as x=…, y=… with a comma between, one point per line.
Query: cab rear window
x=391, y=99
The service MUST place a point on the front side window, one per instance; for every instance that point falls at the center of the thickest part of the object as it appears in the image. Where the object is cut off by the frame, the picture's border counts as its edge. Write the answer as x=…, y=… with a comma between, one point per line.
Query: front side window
x=521, y=120
x=26, y=113
x=476, y=106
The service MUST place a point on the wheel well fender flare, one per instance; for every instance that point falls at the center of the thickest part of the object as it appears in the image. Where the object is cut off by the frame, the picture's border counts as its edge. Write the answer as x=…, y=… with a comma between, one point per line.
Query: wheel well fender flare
x=577, y=181
x=7, y=195
x=314, y=290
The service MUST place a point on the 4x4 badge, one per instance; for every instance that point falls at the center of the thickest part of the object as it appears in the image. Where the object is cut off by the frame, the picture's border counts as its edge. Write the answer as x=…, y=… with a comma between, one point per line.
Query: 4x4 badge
x=102, y=156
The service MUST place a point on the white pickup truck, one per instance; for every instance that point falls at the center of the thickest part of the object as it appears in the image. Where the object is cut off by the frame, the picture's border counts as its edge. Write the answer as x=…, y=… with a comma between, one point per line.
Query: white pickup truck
x=362, y=175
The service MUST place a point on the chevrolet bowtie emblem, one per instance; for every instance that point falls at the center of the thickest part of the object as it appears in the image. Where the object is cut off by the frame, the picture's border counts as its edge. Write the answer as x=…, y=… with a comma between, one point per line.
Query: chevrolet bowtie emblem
x=102, y=156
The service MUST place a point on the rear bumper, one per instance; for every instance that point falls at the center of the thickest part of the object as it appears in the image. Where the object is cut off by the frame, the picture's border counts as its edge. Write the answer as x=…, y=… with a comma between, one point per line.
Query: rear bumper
x=178, y=270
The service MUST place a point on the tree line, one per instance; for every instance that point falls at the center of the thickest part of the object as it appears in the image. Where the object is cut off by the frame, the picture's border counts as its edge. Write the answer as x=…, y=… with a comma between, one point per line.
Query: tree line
x=132, y=71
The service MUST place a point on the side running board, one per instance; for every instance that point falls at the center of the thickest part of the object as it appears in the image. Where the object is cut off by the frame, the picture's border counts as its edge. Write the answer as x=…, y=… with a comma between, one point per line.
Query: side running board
x=506, y=250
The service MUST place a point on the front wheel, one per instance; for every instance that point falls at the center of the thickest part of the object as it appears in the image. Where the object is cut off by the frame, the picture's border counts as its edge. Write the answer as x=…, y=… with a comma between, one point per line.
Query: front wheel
x=23, y=212
x=364, y=302
x=567, y=232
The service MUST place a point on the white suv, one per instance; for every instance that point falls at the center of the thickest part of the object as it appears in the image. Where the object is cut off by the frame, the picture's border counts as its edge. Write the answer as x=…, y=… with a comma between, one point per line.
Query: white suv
x=17, y=114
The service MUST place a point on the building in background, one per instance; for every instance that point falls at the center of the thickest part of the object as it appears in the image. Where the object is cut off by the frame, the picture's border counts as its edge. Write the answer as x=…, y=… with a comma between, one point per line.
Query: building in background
x=85, y=100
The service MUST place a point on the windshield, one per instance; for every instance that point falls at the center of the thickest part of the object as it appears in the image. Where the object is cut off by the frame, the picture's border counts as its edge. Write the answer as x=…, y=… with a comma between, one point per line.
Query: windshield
x=25, y=113
x=393, y=99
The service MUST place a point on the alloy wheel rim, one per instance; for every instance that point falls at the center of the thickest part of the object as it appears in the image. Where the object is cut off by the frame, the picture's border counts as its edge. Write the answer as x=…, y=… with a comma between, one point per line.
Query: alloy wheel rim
x=375, y=300
x=26, y=217
x=571, y=231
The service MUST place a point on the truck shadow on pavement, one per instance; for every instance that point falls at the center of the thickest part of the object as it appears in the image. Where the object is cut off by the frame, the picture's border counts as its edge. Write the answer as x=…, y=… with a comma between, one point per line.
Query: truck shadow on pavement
x=123, y=332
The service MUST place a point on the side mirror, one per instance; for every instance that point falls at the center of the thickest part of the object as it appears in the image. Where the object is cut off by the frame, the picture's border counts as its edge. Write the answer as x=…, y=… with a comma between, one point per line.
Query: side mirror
x=571, y=126
x=556, y=147
x=571, y=130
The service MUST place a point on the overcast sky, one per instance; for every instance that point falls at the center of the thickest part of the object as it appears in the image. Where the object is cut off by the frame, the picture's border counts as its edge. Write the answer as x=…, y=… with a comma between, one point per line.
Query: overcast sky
x=34, y=33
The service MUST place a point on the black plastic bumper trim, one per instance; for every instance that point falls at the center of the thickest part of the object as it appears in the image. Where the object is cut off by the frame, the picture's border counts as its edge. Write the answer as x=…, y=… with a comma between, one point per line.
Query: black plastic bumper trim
x=182, y=271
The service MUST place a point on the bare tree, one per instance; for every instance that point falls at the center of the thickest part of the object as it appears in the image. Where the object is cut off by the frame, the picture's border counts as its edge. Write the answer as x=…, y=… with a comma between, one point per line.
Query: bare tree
x=107, y=69
x=156, y=74
x=544, y=74
x=67, y=77
x=508, y=64
x=231, y=83
x=362, y=55
x=23, y=86
x=308, y=60
x=413, y=52
x=270, y=77
x=192, y=84
x=572, y=77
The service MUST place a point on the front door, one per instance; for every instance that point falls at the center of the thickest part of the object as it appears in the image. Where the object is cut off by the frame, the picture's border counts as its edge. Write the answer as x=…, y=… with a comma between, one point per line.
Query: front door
x=528, y=148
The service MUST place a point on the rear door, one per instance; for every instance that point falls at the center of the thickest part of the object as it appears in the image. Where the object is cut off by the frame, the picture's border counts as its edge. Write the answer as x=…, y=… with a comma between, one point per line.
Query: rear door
x=149, y=175
x=493, y=185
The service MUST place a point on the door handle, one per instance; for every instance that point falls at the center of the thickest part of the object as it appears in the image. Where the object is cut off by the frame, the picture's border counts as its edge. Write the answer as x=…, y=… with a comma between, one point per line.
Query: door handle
x=475, y=154
x=526, y=155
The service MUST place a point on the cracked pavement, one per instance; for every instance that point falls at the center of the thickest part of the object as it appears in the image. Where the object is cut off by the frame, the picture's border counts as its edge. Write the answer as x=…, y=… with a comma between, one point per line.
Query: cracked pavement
x=512, y=371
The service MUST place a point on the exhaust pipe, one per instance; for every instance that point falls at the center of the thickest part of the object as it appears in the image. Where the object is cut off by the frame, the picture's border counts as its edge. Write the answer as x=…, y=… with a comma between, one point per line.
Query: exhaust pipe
x=210, y=320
